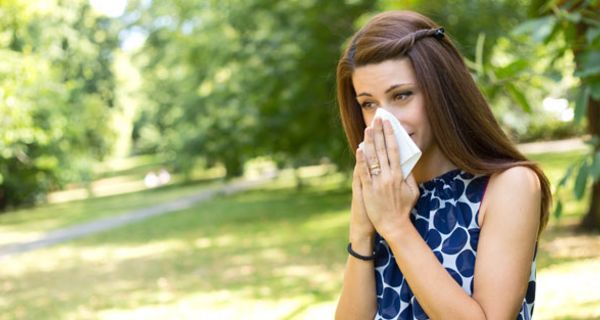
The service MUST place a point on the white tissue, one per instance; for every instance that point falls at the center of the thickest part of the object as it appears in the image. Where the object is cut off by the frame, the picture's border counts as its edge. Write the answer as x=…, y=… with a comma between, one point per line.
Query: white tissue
x=409, y=152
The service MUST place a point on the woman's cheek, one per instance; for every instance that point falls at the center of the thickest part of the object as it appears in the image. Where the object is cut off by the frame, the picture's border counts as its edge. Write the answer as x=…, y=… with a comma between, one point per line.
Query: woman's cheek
x=368, y=118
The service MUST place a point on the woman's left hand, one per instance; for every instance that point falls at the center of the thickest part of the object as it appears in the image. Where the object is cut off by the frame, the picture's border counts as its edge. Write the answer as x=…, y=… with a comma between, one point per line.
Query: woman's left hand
x=387, y=196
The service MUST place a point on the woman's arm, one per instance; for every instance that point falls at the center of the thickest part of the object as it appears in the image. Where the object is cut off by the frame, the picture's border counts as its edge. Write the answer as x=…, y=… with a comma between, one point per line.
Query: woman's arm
x=504, y=255
x=358, y=299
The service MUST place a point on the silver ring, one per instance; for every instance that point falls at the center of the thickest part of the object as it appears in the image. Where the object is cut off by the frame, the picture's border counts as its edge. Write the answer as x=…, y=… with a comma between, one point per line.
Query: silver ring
x=375, y=171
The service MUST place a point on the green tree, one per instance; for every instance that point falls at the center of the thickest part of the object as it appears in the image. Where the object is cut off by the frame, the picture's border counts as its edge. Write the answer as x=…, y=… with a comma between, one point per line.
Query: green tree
x=55, y=93
x=465, y=20
x=575, y=27
x=230, y=80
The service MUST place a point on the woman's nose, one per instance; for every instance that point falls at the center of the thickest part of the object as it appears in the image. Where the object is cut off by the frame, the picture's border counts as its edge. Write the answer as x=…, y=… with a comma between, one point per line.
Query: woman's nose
x=395, y=112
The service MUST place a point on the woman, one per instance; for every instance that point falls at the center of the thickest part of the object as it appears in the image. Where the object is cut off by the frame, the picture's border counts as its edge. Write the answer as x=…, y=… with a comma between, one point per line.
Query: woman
x=457, y=238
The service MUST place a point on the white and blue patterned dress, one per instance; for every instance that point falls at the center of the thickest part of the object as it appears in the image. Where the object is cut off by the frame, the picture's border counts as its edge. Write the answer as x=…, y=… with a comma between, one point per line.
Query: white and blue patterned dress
x=446, y=216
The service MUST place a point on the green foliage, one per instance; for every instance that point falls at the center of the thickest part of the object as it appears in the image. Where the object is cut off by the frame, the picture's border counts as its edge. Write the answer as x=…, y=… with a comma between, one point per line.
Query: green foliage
x=226, y=81
x=539, y=29
x=464, y=20
x=581, y=104
x=231, y=80
x=583, y=171
x=518, y=96
x=56, y=85
x=550, y=128
x=516, y=78
x=564, y=23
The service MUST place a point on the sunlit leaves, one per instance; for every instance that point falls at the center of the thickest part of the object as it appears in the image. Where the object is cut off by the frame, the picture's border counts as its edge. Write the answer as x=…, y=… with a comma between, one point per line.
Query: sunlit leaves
x=256, y=78
x=575, y=27
x=581, y=180
x=518, y=96
x=539, y=29
x=581, y=104
x=56, y=88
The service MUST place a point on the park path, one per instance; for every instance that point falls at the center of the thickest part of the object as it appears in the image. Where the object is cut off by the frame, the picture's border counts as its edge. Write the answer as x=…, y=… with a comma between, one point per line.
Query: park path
x=104, y=224
x=553, y=146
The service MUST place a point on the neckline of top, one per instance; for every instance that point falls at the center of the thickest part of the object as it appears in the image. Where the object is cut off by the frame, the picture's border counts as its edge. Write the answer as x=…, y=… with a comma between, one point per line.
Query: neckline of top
x=444, y=176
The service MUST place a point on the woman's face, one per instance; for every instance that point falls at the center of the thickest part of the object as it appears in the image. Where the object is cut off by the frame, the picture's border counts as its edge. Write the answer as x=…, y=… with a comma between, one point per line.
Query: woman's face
x=392, y=85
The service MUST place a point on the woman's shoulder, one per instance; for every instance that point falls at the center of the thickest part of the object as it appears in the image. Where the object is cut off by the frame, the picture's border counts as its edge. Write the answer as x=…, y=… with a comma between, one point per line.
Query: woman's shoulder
x=517, y=181
x=516, y=174
x=511, y=192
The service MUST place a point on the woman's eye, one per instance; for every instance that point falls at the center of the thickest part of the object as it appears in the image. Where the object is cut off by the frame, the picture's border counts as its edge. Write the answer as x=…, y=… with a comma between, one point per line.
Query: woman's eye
x=367, y=105
x=402, y=95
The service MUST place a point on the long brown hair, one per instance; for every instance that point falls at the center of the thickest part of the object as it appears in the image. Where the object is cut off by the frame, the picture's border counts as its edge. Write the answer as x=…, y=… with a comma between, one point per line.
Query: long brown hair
x=458, y=112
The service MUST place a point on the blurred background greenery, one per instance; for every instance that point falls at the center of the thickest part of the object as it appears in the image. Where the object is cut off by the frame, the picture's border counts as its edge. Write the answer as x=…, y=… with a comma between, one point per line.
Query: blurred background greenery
x=95, y=95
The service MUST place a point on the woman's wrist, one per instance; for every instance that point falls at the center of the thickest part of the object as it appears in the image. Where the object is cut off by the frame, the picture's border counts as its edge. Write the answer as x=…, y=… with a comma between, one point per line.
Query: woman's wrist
x=362, y=242
x=363, y=248
x=395, y=229
x=361, y=234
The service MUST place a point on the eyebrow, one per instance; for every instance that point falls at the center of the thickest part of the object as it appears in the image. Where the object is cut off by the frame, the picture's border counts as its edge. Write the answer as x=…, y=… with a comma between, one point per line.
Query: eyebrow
x=392, y=87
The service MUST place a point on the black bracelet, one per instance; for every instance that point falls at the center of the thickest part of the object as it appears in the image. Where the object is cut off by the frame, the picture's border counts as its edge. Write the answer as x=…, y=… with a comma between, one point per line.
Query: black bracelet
x=359, y=256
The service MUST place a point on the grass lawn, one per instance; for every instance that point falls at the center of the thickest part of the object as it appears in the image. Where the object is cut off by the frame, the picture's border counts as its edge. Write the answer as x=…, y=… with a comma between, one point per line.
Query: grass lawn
x=270, y=253
x=568, y=281
x=30, y=223
x=118, y=188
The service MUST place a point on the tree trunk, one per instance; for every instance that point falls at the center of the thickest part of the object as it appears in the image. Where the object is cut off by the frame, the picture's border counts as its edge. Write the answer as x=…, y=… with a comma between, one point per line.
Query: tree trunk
x=2, y=200
x=233, y=167
x=591, y=221
x=298, y=178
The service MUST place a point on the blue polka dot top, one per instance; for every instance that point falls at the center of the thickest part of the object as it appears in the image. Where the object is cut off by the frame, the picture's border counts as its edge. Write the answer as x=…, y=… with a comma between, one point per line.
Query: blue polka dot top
x=446, y=216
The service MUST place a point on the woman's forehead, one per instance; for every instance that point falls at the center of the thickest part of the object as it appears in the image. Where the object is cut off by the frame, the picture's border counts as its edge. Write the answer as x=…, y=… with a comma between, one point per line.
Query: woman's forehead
x=378, y=76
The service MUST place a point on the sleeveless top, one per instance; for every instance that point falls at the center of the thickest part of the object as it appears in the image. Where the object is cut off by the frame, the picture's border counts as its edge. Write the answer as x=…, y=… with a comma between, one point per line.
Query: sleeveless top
x=446, y=216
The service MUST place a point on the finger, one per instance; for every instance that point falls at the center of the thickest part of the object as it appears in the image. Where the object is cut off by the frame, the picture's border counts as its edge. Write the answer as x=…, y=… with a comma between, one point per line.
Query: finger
x=356, y=178
x=412, y=183
x=363, y=168
x=379, y=138
x=357, y=192
x=393, y=151
x=369, y=149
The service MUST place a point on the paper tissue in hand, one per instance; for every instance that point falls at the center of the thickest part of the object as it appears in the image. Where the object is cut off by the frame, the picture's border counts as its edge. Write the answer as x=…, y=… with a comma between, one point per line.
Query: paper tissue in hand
x=409, y=152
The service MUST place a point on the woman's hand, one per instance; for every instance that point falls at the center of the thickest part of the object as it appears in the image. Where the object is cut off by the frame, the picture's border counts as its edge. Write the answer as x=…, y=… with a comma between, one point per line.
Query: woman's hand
x=388, y=198
x=360, y=225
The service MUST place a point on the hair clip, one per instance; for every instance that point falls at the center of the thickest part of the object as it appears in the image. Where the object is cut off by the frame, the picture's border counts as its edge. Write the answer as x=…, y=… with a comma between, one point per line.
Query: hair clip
x=439, y=33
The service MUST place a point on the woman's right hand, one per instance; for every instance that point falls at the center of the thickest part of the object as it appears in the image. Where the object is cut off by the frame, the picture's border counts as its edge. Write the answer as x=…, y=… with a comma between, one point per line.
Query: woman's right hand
x=360, y=225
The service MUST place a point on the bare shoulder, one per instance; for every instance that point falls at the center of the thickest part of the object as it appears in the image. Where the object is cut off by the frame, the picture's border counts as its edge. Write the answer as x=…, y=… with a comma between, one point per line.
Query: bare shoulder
x=512, y=191
x=519, y=177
